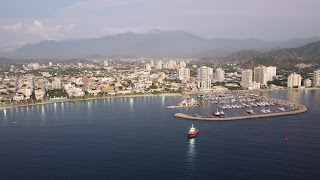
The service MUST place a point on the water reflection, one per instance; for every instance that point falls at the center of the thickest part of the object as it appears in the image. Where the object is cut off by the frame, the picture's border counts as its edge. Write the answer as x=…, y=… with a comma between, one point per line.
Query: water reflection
x=191, y=155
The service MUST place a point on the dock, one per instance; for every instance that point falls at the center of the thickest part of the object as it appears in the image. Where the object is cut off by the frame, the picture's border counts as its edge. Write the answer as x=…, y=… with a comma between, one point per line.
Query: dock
x=298, y=108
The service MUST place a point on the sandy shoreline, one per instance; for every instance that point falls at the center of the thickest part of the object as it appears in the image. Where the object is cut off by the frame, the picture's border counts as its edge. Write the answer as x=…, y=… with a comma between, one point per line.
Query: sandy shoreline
x=96, y=98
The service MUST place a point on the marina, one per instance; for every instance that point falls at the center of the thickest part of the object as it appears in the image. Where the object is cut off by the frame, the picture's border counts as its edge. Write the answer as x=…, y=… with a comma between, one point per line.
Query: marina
x=239, y=106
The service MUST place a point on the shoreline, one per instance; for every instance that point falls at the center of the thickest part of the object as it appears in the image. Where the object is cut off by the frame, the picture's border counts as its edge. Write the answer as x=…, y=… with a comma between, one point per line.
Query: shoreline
x=299, y=108
x=96, y=98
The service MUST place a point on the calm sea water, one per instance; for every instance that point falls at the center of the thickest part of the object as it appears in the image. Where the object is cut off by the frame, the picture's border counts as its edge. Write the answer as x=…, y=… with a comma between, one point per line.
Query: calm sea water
x=130, y=138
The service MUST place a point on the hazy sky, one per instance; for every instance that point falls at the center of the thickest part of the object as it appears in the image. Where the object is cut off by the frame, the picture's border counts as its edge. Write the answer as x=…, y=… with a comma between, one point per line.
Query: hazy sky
x=30, y=21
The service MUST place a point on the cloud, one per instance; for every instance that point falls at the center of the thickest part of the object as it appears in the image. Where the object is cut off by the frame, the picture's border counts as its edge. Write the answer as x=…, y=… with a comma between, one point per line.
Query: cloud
x=15, y=27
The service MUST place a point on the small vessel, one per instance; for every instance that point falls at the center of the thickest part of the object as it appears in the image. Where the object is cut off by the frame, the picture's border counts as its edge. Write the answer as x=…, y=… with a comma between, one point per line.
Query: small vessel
x=217, y=113
x=250, y=111
x=193, y=132
x=286, y=139
x=222, y=113
x=263, y=111
x=281, y=109
x=14, y=122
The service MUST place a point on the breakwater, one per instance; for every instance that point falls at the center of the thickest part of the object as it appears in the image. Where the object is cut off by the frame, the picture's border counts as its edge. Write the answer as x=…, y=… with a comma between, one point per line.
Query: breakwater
x=296, y=109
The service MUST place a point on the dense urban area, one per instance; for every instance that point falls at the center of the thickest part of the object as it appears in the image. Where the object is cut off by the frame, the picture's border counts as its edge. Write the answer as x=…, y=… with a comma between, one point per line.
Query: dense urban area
x=80, y=79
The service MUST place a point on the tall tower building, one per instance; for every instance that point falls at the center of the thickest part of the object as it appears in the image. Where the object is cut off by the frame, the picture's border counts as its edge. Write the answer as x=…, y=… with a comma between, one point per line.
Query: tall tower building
x=184, y=74
x=182, y=64
x=316, y=78
x=105, y=63
x=294, y=80
x=151, y=63
x=148, y=67
x=271, y=72
x=220, y=75
x=260, y=75
x=204, y=74
x=159, y=65
x=246, y=78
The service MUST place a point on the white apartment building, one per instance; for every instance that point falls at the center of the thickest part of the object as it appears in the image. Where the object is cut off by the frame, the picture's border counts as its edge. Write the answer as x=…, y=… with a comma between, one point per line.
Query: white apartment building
x=182, y=64
x=260, y=75
x=246, y=78
x=56, y=83
x=294, y=80
x=184, y=74
x=204, y=74
x=159, y=65
x=316, y=78
x=105, y=63
x=307, y=82
x=271, y=72
x=148, y=67
x=220, y=75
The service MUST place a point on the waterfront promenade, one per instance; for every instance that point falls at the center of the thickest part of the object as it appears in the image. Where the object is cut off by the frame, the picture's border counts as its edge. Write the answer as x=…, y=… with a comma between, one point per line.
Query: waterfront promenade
x=298, y=108
x=9, y=106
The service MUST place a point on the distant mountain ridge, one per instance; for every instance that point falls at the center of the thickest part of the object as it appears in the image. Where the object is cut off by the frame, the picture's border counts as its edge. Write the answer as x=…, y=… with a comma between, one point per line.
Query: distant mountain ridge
x=156, y=43
x=309, y=53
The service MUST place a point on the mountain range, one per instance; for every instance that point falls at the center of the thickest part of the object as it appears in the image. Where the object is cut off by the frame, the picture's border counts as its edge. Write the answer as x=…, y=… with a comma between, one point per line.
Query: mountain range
x=156, y=43
x=307, y=54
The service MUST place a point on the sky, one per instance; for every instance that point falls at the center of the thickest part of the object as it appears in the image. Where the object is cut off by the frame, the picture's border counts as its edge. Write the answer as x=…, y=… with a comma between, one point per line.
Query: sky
x=31, y=21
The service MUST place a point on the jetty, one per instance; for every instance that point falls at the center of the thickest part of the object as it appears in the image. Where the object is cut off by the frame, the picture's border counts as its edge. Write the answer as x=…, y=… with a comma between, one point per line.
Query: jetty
x=296, y=109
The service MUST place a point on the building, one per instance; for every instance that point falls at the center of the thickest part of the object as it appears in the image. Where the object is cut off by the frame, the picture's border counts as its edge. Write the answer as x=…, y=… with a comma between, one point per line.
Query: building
x=271, y=72
x=307, y=82
x=184, y=74
x=85, y=79
x=105, y=63
x=316, y=78
x=182, y=64
x=219, y=75
x=204, y=75
x=56, y=83
x=260, y=75
x=159, y=65
x=50, y=63
x=148, y=67
x=246, y=78
x=255, y=85
x=294, y=80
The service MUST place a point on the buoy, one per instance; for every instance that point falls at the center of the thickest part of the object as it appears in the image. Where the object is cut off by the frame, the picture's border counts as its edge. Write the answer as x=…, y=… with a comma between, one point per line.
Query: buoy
x=286, y=139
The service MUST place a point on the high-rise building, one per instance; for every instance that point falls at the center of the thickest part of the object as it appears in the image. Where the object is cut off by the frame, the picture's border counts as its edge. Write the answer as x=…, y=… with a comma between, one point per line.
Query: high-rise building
x=220, y=75
x=294, y=80
x=204, y=74
x=184, y=74
x=148, y=67
x=307, y=82
x=260, y=75
x=159, y=65
x=246, y=78
x=151, y=63
x=50, y=63
x=316, y=78
x=271, y=72
x=182, y=64
x=56, y=83
x=105, y=63
x=170, y=65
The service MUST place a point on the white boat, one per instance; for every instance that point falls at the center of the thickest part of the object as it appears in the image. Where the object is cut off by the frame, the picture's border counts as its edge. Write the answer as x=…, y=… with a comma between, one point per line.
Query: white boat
x=263, y=111
x=250, y=111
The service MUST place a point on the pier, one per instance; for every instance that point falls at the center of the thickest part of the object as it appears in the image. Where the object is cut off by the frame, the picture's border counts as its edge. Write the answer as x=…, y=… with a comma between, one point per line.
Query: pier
x=298, y=108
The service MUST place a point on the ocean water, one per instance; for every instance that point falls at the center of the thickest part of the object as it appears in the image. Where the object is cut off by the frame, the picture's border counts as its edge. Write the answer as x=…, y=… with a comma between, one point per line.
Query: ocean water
x=137, y=138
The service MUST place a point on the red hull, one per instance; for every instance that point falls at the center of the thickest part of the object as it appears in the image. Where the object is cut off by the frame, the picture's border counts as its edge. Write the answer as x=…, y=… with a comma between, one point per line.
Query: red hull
x=193, y=134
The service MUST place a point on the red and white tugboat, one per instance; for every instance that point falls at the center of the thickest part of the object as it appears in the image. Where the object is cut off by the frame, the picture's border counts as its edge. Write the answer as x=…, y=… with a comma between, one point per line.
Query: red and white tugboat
x=193, y=132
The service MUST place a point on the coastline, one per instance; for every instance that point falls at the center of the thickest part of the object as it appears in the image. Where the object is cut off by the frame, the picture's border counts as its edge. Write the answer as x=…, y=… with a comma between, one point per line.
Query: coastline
x=88, y=99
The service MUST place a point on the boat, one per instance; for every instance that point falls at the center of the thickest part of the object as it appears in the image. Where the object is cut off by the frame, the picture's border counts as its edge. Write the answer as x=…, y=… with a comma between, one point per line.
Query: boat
x=263, y=111
x=281, y=109
x=222, y=113
x=193, y=132
x=217, y=113
x=286, y=139
x=250, y=111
